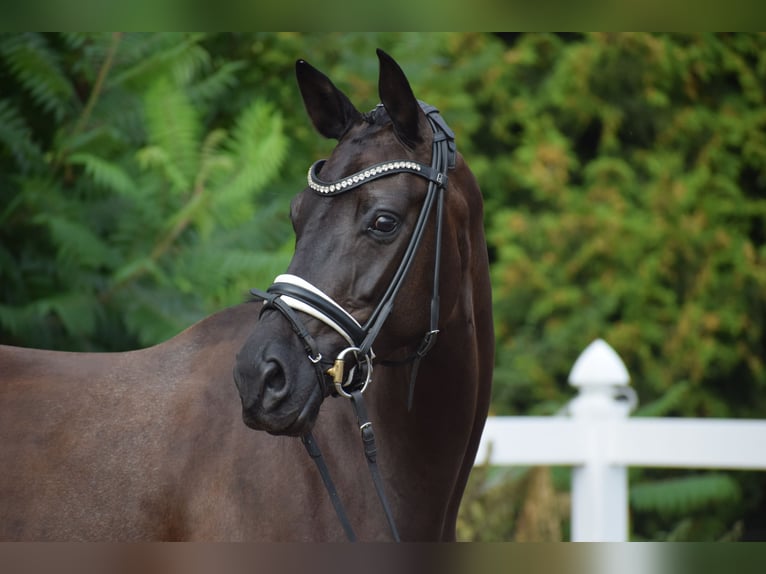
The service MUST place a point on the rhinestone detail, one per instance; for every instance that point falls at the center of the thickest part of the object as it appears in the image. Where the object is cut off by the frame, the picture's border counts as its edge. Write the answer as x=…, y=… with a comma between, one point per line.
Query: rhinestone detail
x=358, y=178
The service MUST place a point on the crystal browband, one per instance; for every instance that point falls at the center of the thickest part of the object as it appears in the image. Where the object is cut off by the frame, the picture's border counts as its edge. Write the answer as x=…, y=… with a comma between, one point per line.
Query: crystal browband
x=373, y=172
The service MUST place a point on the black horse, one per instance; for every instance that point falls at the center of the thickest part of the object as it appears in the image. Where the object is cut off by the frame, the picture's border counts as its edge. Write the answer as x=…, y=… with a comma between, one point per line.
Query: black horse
x=390, y=256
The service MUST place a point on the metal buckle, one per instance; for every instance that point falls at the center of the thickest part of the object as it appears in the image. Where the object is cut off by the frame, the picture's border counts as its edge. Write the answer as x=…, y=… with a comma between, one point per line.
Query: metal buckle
x=427, y=343
x=338, y=371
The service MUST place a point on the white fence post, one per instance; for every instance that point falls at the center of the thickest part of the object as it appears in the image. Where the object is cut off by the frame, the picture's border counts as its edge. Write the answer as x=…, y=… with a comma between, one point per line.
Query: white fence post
x=599, y=441
x=599, y=487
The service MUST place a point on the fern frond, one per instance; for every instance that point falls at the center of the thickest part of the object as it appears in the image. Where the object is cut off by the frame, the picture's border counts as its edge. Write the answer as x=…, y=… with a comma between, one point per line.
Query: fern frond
x=210, y=158
x=105, y=173
x=13, y=318
x=173, y=126
x=16, y=136
x=148, y=57
x=151, y=157
x=77, y=311
x=76, y=244
x=208, y=267
x=679, y=496
x=136, y=268
x=216, y=84
x=37, y=67
x=76, y=40
x=89, y=49
x=245, y=269
x=190, y=63
x=258, y=146
x=157, y=314
x=268, y=229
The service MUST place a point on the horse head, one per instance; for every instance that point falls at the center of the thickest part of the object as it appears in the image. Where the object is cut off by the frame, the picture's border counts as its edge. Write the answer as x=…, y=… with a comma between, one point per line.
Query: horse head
x=381, y=221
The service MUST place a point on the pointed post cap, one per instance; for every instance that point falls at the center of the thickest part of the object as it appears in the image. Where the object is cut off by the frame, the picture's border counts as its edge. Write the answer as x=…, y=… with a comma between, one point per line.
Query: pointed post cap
x=599, y=365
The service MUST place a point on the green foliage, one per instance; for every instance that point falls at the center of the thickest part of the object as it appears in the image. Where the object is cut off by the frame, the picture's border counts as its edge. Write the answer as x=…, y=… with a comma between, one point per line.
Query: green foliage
x=625, y=202
x=699, y=506
x=128, y=210
x=630, y=211
x=528, y=504
x=39, y=70
x=684, y=495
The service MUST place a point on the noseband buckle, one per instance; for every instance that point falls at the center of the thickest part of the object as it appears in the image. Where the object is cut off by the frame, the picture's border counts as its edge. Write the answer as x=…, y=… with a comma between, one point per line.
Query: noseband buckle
x=343, y=381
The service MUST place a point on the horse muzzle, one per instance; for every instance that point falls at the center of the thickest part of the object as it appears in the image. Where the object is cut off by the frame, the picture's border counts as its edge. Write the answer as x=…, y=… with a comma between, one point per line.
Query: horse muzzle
x=277, y=395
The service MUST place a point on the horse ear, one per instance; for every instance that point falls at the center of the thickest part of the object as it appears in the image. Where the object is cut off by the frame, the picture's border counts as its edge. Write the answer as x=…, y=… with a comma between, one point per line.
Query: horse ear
x=399, y=101
x=331, y=112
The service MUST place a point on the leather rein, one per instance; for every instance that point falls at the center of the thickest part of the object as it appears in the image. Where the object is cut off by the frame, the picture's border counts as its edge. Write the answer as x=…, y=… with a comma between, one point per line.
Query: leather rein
x=351, y=370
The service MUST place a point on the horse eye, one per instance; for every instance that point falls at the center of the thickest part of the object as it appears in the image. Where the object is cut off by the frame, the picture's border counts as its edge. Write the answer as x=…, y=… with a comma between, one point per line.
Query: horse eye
x=385, y=224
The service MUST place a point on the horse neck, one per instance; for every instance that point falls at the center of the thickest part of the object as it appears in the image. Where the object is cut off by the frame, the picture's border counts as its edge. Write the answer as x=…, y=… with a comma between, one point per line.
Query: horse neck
x=435, y=442
x=449, y=391
x=431, y=446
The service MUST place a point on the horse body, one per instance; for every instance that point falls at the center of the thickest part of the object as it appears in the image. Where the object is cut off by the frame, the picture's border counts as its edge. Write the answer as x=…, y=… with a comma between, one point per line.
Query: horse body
x=150, y=444
x=104, y=446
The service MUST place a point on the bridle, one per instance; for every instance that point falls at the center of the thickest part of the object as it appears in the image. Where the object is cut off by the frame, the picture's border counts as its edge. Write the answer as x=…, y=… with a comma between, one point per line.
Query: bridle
x=351, y=370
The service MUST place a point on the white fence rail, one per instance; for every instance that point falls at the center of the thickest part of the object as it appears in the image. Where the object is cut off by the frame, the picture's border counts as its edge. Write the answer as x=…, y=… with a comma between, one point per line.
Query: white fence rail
x=599, y=440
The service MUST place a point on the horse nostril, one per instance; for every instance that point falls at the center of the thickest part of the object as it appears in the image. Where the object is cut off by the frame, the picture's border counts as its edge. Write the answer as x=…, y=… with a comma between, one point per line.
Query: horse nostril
x=272, y=375
x=275, y=387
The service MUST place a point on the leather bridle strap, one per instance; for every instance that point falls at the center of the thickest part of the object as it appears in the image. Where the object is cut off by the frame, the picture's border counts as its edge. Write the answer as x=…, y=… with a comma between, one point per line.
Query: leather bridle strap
x=316, y=455
x=371, y=456
x=370, y=453
x=305, y=297
x=444, y=158
x=310, y=346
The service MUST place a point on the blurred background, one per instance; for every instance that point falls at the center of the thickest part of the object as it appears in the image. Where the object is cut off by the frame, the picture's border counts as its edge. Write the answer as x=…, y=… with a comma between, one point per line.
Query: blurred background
x=145, y=181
